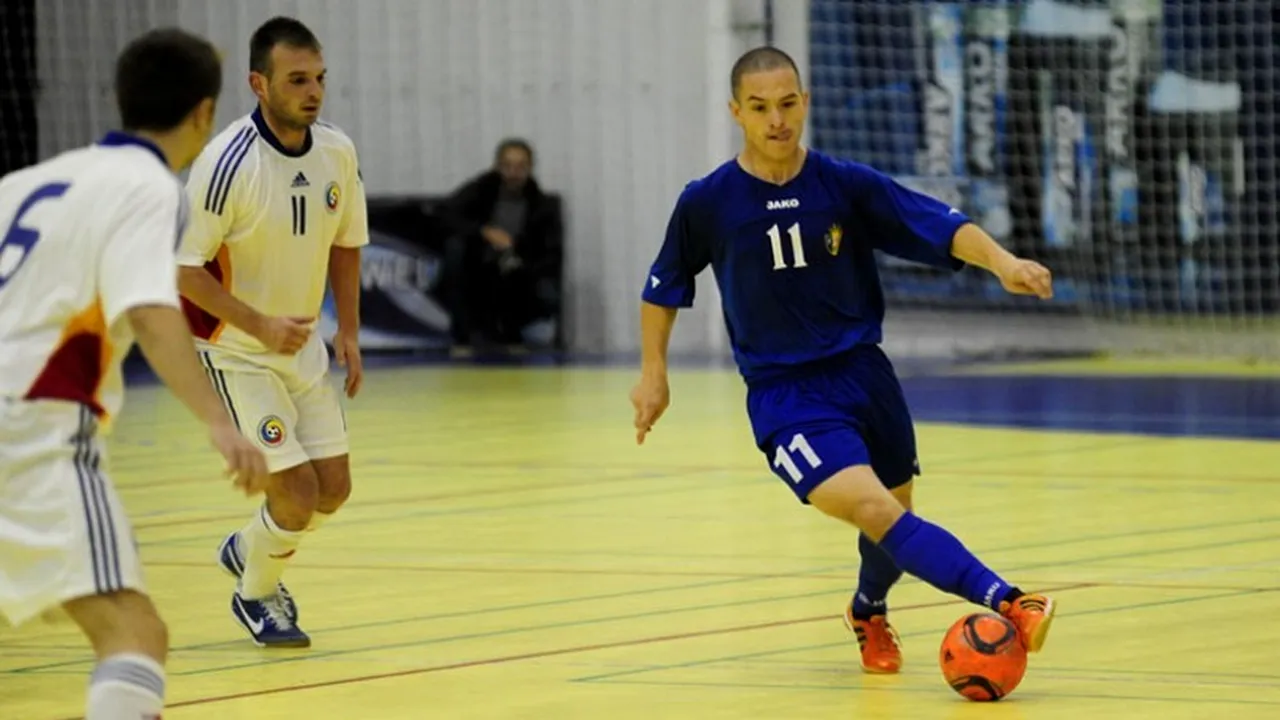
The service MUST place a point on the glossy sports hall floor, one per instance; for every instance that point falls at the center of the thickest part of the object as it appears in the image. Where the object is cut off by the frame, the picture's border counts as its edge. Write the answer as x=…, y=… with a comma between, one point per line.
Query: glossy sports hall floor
x=510, y=553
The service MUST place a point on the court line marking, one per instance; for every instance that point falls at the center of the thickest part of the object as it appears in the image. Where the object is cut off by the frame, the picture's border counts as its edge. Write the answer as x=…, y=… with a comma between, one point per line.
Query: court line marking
x=918, y=633
x=665, y=611
x=558, y=602
x=471, y=510
x=685, y=586
x=658, y=474
x=1111, y=674
x=732, y=581
x=579, y=623
x=445, y=496
x=550, y=653
x=605, y=646
x=1078, y=539
x=1039, y=695
x=625, y=572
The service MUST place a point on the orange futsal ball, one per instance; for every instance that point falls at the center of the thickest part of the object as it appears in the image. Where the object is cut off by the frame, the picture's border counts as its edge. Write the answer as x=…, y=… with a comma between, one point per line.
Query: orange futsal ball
x=982, y=657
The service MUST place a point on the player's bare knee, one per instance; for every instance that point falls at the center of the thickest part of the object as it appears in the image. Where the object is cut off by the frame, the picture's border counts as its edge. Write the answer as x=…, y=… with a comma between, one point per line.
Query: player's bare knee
x=121, y=622
x=334, y=495
x=334, y=476
x=293, y=496
x=856, y=496
x=875, y=515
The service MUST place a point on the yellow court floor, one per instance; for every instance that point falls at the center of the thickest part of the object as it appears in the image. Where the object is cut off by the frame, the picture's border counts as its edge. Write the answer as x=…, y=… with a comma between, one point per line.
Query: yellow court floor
x=509, y=552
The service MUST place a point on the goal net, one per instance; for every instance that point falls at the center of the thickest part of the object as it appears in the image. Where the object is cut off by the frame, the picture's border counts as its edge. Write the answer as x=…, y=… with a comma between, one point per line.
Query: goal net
x=1129, y=145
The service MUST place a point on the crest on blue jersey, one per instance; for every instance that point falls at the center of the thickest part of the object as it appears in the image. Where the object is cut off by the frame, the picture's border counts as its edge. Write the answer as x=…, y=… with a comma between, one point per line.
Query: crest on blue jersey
x=834, y=235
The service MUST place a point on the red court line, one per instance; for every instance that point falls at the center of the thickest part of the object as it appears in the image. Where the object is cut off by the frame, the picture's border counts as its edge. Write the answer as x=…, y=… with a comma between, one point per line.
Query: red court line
x=940, y=465
x=521, y=570
x=564, y=651
x=401, y=500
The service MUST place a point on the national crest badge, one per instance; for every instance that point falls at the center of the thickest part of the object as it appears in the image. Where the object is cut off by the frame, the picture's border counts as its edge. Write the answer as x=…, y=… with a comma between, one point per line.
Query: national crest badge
x=332, y=196
x=834, y=235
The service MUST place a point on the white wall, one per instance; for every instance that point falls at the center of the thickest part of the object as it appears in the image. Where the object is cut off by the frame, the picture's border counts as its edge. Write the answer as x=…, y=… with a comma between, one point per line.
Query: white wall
x=624, y=101
x=77, y=43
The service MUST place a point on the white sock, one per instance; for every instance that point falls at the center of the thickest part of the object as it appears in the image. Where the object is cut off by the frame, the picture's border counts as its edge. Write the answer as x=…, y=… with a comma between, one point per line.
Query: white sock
x=317, y=519
x=128, y=686
x=267, y=549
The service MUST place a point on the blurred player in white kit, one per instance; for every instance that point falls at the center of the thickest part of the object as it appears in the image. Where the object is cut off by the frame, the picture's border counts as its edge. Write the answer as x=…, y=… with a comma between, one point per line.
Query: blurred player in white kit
x=278, y=207
x=87, y=268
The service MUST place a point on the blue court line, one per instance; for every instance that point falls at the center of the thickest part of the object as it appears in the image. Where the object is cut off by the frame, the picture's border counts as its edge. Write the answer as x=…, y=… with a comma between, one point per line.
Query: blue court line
x=825, y=558
x=440, y=512
x=732, y=581
x=579, y=623
x=918, y=633
x=639, y=592
x=938, y=689
x=1109, y=674
x=735, y=476
x=671, y=611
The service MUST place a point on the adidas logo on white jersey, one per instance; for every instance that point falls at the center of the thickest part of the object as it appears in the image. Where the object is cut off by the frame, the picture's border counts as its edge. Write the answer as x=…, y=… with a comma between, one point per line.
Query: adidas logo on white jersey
x=300, y=180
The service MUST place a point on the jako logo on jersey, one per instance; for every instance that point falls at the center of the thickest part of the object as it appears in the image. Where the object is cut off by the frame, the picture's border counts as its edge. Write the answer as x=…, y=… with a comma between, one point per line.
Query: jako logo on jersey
x=332, y=194
x=271, y=431
x=787, y=204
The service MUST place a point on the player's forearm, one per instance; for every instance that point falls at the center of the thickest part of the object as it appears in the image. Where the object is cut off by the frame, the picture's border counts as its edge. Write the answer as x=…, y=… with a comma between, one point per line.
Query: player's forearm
x=974, y=246
x=344, y=280
x=656, y=323
x=203, y=289
x=165, y=341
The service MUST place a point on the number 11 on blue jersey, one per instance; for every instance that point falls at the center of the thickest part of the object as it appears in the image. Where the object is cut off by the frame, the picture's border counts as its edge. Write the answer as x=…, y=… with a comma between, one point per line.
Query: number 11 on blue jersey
x=797, y=248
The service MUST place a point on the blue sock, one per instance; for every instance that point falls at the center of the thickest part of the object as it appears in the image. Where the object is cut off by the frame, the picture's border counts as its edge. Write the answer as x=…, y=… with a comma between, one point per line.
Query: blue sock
x=877, y=574
x=938, y=558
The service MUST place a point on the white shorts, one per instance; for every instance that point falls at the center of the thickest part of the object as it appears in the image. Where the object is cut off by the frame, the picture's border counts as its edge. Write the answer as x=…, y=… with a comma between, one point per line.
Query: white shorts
x=288, y=405
x=63, y=530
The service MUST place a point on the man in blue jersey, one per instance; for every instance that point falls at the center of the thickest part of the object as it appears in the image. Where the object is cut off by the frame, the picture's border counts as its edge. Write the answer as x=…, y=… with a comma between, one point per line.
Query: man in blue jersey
x=789, y=234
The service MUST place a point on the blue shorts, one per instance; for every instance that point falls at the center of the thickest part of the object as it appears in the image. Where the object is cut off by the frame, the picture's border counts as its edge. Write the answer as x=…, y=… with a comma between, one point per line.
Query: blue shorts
x=837, y=413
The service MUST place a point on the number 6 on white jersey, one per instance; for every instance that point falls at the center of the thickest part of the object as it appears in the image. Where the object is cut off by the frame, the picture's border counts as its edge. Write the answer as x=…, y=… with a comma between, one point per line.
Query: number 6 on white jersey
x=782, y=458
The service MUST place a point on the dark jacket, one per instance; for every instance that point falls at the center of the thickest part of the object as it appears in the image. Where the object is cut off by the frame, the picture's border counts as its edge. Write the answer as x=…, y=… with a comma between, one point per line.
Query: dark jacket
x=540, y=245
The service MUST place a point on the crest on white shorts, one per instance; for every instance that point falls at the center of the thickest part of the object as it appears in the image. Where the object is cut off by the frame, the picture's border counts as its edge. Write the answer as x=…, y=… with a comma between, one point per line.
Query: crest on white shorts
x=271, y=431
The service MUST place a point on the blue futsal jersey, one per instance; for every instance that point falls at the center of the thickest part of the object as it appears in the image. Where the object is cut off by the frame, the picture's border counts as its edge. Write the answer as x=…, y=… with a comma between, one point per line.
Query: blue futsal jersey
x=803, y=305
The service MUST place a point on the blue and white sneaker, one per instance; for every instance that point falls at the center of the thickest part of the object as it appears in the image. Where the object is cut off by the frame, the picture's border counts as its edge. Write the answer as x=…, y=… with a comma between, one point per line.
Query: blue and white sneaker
x=231, y=560
x=267, y=622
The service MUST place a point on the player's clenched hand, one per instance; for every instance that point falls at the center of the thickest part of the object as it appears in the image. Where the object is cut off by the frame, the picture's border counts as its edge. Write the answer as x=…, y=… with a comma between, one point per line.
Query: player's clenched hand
x=346, y=350
x=285, y=335
x=1026, y=277
x=246, y=465
x=650, y=398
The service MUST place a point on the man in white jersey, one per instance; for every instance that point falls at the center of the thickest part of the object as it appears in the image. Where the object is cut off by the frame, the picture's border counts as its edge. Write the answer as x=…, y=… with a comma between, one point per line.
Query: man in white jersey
x=277, y=208
x=86, y=267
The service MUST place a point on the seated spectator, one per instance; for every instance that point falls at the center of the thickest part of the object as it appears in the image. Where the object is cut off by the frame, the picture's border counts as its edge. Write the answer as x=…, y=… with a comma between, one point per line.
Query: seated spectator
x=503, y=259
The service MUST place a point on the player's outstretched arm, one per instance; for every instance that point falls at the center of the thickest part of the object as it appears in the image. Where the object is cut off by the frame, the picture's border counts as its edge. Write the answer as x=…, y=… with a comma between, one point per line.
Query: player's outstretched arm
x=165, y=340
x=652, y=394
x=917, y=227
x=974, y=246
x=282, y=335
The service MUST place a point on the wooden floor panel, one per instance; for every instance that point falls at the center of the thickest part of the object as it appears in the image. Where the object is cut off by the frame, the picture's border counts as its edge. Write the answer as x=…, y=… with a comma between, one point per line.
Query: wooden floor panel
x=509, y=552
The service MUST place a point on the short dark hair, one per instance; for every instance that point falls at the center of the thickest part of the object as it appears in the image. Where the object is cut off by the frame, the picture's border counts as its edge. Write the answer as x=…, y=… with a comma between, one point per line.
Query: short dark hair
x=760, y=59
x=278, y=30
x=162, y=75
x=510, y=143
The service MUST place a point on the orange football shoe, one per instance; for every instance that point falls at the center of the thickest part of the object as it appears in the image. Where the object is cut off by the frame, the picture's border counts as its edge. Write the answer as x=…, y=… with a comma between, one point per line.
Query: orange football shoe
x=1031, y=614
x=879, y=642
